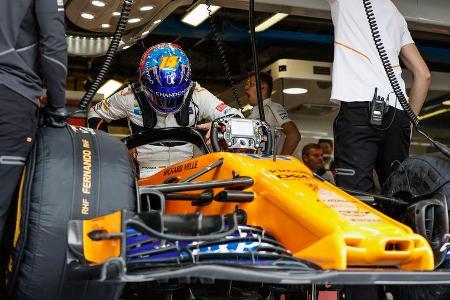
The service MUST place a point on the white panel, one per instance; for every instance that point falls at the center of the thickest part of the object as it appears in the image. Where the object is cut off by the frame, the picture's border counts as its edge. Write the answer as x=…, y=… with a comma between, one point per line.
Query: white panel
x=315, y=4
x=408, y=8
x=435, y=12
x=298, y=69
x=420, y=12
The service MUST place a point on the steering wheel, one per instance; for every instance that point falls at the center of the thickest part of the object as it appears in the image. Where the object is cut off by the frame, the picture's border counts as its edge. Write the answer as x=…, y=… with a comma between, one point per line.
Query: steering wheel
x=233, y=134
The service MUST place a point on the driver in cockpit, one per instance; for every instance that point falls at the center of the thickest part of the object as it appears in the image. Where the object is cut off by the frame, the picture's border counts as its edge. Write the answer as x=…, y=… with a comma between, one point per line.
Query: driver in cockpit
x=165, y=96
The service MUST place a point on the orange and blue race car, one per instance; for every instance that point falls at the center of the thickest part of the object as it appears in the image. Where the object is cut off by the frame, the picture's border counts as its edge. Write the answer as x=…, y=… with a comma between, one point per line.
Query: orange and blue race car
x=242, y=214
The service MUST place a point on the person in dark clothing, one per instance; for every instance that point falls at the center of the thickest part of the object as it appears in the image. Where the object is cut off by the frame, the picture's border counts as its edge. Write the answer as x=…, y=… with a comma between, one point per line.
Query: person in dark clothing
x=32, y=38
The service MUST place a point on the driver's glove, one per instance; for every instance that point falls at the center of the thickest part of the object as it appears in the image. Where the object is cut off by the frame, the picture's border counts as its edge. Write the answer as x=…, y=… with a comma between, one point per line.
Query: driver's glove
x=206, y=127
x=53, y=117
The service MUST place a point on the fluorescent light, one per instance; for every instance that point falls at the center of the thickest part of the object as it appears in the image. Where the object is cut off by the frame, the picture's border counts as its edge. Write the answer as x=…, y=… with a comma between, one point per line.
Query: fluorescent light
x=87, y=16
x=270, y=21
x=134, y=20
x=116, y=14
x=106, y=25
x=323, y=133
x=420, y=144
x=434, y=113
x=126, y=47
x=109, y=88
x=295, y=91
x=198, y=14
x=98, y=3
x=157, y=21
x=146, y=8
x=146, y=32
x=446, y=102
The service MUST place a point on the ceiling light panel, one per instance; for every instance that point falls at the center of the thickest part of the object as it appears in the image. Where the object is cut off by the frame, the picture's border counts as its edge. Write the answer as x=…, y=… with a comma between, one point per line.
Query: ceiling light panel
x=134, y=20
x=146, y=8
x=270, y=22
x=98, y=3
x=295, y=91
x=141, y=18
x=198, y=14
x=87, y=16
x=108, y=12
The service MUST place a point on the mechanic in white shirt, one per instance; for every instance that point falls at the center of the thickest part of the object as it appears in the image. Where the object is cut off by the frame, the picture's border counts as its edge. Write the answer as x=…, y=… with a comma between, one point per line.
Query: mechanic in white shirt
x=357, y=71
x=164, y=97
x=275, y=113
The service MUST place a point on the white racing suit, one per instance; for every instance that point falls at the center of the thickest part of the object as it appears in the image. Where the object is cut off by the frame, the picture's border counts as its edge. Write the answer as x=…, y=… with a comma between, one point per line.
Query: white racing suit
x=152, y=158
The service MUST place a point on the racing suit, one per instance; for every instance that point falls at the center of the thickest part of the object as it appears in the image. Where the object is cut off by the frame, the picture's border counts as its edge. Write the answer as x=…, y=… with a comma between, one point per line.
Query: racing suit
x=32, y=39
x=153, y=158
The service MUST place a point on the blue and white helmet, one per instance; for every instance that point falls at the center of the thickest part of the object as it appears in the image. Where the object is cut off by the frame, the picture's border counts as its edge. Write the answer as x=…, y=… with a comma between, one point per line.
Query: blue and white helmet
x=165, y=76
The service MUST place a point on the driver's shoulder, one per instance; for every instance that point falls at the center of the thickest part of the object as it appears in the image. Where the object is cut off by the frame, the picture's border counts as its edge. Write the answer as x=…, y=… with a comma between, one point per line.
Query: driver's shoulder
x=128, y=90
x=203, y=98
x=127, y=96
x=198, y=88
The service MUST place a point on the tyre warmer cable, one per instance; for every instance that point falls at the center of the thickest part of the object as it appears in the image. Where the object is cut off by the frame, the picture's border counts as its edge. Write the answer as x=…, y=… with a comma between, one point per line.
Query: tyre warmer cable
x=112, y=49
x=251, y=21
x=222, y=55
x=393, y=78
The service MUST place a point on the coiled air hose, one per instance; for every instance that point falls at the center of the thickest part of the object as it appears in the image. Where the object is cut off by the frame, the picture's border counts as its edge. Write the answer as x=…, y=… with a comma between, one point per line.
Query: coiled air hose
x=393, y=78
x=251, y=20
x=222, y=55
x=112, y=49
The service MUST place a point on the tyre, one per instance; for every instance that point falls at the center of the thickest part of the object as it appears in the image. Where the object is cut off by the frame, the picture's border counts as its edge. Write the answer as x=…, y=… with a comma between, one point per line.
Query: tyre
x=424, y=182
x=72, y=173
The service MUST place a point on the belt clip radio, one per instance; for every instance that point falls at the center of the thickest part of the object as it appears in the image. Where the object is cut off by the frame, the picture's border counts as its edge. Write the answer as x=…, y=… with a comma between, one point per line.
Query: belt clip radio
x=378, y=108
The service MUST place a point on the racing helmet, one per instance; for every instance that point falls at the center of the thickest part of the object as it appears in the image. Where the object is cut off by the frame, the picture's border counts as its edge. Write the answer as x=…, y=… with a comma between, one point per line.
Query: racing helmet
x=165, y=77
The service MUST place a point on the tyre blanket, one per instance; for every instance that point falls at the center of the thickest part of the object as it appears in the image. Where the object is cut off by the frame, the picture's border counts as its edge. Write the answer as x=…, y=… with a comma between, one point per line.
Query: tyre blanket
x=73, y=173
x=419, y=176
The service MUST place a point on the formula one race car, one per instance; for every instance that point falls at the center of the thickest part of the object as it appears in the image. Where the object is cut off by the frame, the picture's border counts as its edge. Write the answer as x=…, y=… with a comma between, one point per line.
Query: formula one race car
x=239, y=219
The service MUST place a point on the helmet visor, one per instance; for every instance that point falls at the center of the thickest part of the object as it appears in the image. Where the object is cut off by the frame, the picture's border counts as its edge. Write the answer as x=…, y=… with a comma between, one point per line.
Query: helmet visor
x=168, y=101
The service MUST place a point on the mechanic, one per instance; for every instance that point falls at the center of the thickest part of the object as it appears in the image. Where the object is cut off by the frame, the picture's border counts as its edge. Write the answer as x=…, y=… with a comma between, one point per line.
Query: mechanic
x=312, y=156
x=275, y=113
x=32, y=35
x=357, y=72
x=327, y=147
x=164, y=97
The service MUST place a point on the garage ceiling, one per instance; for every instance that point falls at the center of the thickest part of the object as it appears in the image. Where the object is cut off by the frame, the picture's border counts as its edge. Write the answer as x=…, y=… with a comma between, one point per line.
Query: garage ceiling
x=105, y=12
x=295, y=37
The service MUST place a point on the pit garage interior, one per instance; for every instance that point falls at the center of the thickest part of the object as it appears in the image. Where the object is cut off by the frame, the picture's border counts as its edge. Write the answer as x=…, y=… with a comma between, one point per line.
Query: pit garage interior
x=298, y=49
x=366, y=241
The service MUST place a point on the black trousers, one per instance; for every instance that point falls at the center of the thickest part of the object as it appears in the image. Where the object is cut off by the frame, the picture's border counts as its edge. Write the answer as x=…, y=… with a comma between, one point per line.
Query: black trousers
x=18, y=123
x=360, y=148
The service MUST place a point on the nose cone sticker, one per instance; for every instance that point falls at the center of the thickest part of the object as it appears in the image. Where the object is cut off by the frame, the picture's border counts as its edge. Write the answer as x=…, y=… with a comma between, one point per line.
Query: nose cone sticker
x=347, y=208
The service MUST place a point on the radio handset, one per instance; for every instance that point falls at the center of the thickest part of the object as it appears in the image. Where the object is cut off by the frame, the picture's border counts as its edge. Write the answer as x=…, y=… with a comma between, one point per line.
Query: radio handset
x=378, y=108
